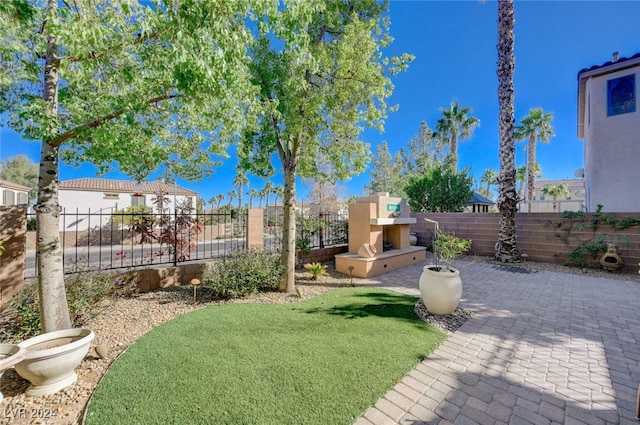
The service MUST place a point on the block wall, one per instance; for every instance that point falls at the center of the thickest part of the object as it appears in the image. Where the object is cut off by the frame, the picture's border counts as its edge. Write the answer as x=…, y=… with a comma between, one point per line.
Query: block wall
x=544, y=237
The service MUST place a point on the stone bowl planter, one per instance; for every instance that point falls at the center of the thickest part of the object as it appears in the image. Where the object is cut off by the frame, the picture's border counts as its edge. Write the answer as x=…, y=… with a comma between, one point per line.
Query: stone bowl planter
x=51, y=358
x=10, y=355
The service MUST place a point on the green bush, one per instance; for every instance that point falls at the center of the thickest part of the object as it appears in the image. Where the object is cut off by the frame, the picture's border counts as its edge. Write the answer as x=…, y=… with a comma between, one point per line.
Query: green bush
x=85, y=291
x=242, y=273
x=135, y=215
x=32, y=224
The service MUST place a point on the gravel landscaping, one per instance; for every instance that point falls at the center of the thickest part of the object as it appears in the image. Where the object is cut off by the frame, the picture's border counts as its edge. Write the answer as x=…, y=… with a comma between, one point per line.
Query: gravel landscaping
x=124, y=320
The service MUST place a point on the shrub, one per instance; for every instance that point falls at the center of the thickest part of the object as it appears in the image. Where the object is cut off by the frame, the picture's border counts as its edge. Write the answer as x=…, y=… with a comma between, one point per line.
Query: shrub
x=242, y=273
x=32, y=224
x=316, y=269
x=85, y=291
x=135, y=215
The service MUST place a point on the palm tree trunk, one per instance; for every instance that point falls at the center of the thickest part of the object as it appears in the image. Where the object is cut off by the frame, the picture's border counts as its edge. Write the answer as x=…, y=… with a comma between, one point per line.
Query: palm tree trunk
x=54, y=311
x=531, y=167
x=454, y=151
x=506, y=247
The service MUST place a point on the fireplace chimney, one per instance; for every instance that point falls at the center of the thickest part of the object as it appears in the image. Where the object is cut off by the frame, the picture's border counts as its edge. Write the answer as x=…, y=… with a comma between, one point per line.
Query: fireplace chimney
x=616, y=55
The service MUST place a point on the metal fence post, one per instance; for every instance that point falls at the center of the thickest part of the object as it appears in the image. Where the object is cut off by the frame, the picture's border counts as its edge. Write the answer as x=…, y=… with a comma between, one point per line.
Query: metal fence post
x=175, y=236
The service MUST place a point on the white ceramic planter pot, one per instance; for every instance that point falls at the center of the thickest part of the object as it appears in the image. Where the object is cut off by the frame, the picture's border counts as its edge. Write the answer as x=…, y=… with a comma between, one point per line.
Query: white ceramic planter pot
x=10, y=355
x=51, y=358
x=441, y=290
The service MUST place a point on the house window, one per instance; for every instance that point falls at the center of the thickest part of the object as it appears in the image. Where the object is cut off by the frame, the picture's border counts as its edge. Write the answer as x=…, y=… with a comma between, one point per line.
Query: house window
x=8, y=197
x=621, y=95
x=137, y=201
x=23, y=199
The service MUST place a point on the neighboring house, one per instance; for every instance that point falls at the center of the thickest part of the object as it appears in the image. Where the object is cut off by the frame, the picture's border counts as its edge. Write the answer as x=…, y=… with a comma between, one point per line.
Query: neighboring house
x=609, y=124
x=89, y=202
x=541, y=203
x=14, y=194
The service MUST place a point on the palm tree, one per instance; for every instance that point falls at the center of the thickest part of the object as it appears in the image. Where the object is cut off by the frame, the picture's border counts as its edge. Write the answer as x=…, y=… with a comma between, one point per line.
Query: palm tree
x=536, y=125
x=506, y=247
x=279, y=192
x=261, y=195
x=555, y=191
x=267, y=190
x=252, y=194
x=521, y=177
x=453, y=126
x=232, y=194
x=490, y=178
x=240, y=181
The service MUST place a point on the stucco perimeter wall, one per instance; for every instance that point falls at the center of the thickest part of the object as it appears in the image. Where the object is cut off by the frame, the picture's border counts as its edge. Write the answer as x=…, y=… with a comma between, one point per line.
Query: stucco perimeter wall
x=13, y=229
x=544, y=237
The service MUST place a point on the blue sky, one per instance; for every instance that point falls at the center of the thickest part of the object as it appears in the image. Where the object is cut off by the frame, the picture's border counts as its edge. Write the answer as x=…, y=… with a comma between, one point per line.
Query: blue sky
x=454, y=45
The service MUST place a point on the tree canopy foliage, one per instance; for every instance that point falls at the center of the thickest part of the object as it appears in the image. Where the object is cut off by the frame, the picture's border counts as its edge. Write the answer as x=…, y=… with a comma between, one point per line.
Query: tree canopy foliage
x=322, y=78
x=127, y=83
x=440, y=189
x=21, y=170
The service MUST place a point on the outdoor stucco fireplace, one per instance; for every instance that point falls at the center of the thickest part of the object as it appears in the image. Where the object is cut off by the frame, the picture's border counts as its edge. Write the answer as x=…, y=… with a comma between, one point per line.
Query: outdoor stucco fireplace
x=376, y=221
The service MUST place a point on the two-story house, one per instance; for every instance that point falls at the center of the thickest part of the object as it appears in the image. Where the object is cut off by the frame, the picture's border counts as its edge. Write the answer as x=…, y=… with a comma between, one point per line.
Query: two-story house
x=609, y=124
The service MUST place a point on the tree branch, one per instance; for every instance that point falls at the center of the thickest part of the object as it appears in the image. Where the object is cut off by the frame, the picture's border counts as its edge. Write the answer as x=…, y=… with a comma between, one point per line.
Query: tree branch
x=96, y=55
x=58, y=141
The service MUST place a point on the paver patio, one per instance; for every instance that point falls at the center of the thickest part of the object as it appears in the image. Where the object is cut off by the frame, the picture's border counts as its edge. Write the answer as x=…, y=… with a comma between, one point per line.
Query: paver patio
x=540, y=348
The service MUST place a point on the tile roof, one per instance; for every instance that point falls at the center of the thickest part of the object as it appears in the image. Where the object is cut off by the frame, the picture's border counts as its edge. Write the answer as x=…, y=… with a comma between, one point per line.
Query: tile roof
x=618, y=62
x=9, y=185
x=122, y=186
x=572, y=184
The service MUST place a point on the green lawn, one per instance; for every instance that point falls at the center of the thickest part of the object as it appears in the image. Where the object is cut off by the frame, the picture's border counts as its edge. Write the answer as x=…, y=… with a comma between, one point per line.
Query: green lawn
x=322, y=361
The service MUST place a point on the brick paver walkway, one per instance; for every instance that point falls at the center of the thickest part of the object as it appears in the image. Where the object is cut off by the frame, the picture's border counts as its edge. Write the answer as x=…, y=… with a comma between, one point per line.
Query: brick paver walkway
x=540, y=348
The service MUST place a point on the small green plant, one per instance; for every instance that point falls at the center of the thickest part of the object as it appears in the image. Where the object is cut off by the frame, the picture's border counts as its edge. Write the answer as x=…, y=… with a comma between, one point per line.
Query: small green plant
x=242, y=273
x=448, y=246
x=1, y=248
x=32, y=224
x=316, y=269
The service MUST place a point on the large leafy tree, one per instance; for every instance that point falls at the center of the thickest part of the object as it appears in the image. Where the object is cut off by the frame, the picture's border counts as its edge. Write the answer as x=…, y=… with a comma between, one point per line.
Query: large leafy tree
x=386, y=172
x=535, y=126
x=322, y=77
x=424, y=150
x=506, y=247
x=116, y=81
x=455, y=126
x=21, y=170
x=440, y=189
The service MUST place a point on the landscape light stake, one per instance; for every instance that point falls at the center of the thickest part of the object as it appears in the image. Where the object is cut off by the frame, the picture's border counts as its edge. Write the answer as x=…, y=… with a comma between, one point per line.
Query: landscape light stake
x=351, y=275
x=195, y=282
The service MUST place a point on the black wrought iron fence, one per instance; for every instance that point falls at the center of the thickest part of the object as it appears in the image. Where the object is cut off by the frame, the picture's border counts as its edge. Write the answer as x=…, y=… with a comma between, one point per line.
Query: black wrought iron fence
x=105, y=240
x=314, y=230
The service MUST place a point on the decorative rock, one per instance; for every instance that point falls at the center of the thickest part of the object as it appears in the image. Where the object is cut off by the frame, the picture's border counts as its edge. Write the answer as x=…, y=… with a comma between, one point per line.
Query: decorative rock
x=102, y=350
x=367, y=250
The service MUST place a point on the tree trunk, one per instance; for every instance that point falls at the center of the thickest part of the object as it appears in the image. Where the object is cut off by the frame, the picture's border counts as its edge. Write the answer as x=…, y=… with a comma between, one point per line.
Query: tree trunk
x=506, y=247
x=531, y=167
x=288, y=256
x=454, y=151
x=54, y=311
